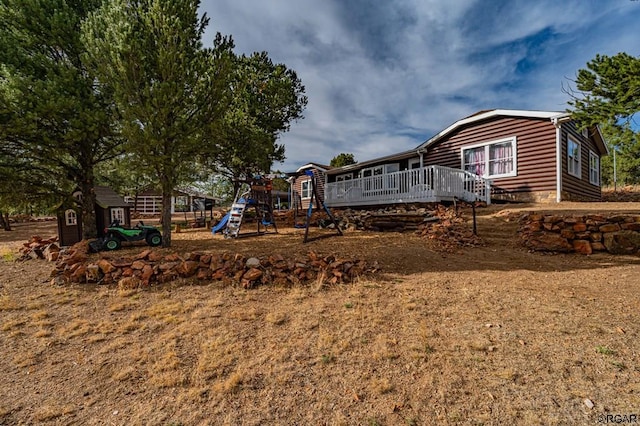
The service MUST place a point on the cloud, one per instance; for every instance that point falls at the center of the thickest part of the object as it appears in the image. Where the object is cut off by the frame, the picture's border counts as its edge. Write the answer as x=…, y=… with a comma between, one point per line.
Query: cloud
x=382, y=77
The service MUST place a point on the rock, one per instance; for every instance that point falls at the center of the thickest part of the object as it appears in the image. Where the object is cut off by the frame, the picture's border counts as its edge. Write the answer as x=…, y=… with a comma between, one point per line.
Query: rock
x=252, y=262
x=622, y=242
x=79, y=275
x=187, y=268
x=609, y=227
x=93, y=274
x=155, y=256
x=580, y=227
x=635, y=226
x=105, y=266
x=547, y=241
x=138, y=264
x=204, y=273
x=59, y=280
x=147, y=274
x=582, y=247
x=129, y=283
x=143, y=255
x=252, y=274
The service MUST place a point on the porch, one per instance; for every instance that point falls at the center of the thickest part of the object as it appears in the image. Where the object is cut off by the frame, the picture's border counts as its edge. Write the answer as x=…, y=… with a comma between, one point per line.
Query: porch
x=420, y=185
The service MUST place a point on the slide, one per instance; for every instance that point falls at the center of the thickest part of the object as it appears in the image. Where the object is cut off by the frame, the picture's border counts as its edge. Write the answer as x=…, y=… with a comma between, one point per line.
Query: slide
x=221, y=225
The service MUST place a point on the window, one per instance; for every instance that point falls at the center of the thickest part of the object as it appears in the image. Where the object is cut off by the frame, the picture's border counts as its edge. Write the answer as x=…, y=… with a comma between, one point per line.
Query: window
x=594, y=168
x=573, y=158
x=341, y=178
x=491, y=159
x=70, y=217
x=117, y=214
x=306, y=189
x=380, y=170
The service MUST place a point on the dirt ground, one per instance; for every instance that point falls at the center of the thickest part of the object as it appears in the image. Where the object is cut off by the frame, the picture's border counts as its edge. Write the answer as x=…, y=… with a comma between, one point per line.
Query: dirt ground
x=478, y=335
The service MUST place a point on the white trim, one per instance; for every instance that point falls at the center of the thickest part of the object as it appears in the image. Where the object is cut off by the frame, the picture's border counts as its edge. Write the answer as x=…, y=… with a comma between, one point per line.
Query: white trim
x=558, y=160
x=344, y=176
x=312, y=166
x=415, y=161
x=309, y=189
x=593, y=155
x=578, y=173
x=117, y=213
x=513, y=140
x=71, y=217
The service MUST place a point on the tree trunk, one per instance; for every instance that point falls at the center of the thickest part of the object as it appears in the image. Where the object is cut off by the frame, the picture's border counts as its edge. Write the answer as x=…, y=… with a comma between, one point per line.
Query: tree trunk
x=4, y=221
x=167, y=191
x=89, y=227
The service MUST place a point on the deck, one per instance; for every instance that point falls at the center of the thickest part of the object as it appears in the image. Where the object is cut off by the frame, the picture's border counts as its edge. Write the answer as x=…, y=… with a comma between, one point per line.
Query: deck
x=421, y=185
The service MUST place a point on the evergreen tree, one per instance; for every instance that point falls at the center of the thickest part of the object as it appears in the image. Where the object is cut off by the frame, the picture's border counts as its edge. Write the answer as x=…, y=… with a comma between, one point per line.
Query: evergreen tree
x=167, y=87
x=342, y=159
x=53, y=119
x=608, y=93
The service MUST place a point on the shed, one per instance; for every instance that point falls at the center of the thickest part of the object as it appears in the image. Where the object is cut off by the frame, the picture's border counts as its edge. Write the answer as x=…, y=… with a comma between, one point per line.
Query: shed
x=109, y=207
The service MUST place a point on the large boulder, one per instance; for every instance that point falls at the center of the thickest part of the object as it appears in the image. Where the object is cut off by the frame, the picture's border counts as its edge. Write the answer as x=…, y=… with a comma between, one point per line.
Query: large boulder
x=622, y=242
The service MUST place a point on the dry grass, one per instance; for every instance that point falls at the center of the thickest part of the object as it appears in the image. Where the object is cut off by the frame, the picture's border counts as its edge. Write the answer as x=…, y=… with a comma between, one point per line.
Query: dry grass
x=488, y=335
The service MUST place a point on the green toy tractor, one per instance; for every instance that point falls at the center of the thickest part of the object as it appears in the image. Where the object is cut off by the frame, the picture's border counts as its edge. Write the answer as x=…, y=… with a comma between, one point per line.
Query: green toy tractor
x=115, y=235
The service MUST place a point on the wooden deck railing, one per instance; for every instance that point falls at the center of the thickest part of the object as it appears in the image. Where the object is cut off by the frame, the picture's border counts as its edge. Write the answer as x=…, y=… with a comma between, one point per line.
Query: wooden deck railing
x=427, y=184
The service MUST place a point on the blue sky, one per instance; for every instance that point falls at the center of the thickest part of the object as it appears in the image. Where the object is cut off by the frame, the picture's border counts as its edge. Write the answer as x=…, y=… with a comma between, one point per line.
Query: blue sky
x=384, y=76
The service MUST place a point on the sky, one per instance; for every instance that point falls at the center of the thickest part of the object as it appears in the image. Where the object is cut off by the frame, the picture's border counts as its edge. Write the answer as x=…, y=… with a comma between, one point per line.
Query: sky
x=384, y=76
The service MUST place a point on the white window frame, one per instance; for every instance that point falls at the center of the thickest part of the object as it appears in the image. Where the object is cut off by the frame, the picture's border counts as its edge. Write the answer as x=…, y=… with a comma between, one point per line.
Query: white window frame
x=117, y=213
x=71, y=217
x=513, y=140
x=414, y=163
x=305, y=194
x=571, y=166
x=594, y=168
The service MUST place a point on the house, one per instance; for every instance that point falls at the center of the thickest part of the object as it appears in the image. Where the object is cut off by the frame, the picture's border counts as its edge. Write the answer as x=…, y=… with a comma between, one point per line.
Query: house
x=301, y=183
x=109, y=207
x=512, y=155
x=149, y=201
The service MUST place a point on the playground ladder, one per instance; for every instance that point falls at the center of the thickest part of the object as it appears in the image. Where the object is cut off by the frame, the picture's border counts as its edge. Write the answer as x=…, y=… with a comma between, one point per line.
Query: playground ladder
x=235, y=216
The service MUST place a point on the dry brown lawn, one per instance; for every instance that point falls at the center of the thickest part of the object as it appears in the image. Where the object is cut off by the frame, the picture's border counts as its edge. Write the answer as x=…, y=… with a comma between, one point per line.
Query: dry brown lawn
x=485, y=335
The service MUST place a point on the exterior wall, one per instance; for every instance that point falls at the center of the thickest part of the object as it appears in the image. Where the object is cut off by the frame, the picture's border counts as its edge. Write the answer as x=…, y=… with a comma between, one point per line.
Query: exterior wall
x=535, y=163
x=69, y=234
x=574, y=188
x=297, y=186
x=103, y=218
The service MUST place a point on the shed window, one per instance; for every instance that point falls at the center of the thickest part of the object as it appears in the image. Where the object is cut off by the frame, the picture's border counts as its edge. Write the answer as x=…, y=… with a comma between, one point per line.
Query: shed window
x=346, y=176
x=491, y=159
x=573, y=158
x=71, y=217
x=594, y=168
x=117, y=214
x=306, y=189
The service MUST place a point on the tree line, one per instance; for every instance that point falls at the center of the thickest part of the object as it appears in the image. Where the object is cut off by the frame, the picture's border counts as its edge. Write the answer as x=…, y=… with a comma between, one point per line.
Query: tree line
x=124, y=91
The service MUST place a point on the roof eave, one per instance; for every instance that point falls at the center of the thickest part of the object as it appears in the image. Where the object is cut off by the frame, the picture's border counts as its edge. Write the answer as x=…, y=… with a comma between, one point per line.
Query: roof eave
x=486, y=115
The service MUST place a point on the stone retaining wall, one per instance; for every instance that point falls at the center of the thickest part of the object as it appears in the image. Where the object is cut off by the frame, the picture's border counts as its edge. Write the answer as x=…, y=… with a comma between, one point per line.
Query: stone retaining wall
x=619, y=234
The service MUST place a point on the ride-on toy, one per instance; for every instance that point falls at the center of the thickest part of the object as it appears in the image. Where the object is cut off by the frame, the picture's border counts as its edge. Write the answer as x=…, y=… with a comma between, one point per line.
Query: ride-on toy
x=115, y=235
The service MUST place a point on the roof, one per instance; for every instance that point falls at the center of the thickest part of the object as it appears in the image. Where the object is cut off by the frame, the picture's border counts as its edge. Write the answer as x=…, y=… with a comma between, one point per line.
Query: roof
x=318, y=166
x=357, y=166
x=107, y=197
x=552, y=116
x=483, y=115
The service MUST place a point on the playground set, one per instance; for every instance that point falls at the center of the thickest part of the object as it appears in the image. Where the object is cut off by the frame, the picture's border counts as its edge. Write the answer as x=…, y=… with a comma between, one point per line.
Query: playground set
x=258, y=196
